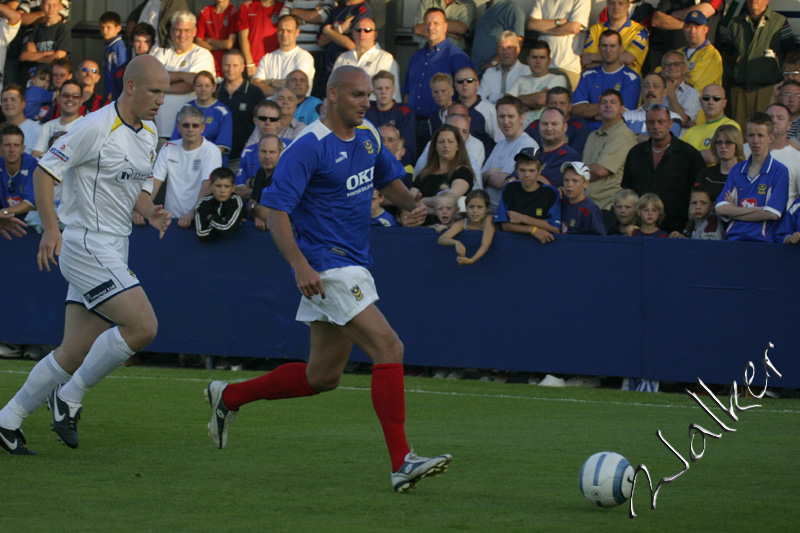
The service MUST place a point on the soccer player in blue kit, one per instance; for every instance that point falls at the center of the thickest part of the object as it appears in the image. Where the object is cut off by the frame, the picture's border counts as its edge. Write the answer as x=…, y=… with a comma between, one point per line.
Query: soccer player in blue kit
x=324, y=180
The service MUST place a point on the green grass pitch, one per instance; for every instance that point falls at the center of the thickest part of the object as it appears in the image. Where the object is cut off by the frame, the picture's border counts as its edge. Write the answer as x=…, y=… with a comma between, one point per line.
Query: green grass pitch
x=146, y=463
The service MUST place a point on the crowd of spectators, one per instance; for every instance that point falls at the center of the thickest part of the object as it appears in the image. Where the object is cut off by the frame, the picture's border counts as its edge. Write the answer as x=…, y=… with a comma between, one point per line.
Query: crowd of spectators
x=652, y=121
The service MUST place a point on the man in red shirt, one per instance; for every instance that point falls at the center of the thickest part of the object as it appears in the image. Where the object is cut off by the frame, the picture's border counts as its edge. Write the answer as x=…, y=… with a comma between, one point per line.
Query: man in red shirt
x=216, y=30
x=258, y=31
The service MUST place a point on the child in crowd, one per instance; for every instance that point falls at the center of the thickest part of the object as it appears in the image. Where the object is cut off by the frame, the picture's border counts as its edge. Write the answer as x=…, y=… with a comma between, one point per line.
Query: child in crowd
x=446, y=211
x=528, y=206
x=115, y=54
x=650, y=210
x=788, y=231
x=625, y=211
x=478, y=219
x=380, y=217
x=38, y=97
x=220, y=213
x=706, y=224
x=579, y=214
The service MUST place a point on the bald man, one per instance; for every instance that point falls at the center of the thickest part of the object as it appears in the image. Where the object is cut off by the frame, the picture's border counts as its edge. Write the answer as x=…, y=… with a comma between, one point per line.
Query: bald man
x=96, y=207
x=324, y=180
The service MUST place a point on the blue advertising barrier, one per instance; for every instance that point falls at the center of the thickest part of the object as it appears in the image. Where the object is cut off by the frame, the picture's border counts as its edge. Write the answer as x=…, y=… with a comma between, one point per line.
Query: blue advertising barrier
x=669, y=309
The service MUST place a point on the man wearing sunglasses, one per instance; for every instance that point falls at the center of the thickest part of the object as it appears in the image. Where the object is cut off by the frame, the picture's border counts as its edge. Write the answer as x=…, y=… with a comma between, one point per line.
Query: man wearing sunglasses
x=482, y=114
x=267, y=117
x=89, y=74
x=69, y=99
x=368, y=54
x=713, y=103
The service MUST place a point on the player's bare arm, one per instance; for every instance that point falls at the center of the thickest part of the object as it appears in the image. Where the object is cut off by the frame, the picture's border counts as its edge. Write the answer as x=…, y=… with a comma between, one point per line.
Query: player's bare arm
x=306, y=277
x=155, y=214
x=50, y=245
x=397, y=193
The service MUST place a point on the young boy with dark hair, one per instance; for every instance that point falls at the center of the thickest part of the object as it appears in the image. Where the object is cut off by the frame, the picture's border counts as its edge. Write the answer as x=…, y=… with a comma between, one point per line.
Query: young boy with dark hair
x=579, y=214
x=380, y=217
x=115, y=54
x=706, y=224
x=220, y=213
x=38, y=97
x=528, y=206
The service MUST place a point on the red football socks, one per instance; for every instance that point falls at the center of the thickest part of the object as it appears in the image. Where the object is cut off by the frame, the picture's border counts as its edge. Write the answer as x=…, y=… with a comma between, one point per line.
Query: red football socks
x=389, y=401
x=286, y=381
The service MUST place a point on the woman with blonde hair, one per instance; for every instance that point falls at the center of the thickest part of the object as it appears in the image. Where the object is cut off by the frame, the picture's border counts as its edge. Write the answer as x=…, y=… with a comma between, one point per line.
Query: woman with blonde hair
x=727, y=147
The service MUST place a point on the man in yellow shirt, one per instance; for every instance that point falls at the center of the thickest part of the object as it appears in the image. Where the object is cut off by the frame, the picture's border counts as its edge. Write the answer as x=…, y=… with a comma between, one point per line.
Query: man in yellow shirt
x=703, y=60
x=635, y=42
x=713, y=103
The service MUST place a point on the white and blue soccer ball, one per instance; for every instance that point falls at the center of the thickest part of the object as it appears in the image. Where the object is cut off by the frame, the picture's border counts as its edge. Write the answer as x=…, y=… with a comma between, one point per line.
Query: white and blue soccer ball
x=606, y=479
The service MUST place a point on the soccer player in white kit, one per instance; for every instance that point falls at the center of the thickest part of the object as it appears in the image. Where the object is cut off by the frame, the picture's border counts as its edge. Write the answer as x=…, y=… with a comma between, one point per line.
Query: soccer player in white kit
x=324, y=179
x=106, y=170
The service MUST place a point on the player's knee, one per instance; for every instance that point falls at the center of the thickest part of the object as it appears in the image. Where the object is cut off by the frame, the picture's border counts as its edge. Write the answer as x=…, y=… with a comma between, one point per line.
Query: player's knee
x=392, y=353
x=324, y=383
x=139, y=336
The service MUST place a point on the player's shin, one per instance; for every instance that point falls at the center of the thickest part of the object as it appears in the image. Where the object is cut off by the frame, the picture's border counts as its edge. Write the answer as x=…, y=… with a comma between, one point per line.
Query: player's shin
x=43, y=378
x=389, y=402
x=286, y=381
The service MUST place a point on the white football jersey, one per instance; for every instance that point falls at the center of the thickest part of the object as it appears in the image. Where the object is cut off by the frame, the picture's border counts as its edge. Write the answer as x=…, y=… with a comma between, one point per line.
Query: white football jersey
x=102, y=164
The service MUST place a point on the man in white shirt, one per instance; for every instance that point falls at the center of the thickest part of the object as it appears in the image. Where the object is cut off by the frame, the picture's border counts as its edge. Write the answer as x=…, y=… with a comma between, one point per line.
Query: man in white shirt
x=12, y=100
x=562, y=24
x=70, y=97
x=368, y=53
x=183, y=60
x=187, y=165
x=498, y=79
x=532, y=86
x=274, y=67
x=500, y=163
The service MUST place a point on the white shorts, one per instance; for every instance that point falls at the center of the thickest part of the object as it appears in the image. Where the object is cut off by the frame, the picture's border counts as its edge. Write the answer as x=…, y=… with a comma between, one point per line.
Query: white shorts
x=348, y=291
x=95, y=265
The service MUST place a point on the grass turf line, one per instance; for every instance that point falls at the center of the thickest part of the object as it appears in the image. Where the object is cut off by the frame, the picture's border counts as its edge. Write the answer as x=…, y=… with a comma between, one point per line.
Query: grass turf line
x=145, y=461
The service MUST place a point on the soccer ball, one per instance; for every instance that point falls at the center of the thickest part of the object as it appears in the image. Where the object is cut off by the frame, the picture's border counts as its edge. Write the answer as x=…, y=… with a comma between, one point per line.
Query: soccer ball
x=606, y=479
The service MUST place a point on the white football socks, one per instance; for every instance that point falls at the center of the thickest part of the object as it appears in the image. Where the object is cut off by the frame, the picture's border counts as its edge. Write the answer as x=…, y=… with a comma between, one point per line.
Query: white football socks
x=44, y=377
x=109, y=352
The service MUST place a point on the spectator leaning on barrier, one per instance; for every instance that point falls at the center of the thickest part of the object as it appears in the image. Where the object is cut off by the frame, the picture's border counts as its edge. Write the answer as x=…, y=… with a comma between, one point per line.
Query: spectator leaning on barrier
x=781, y=150
x=531, y=88
x=220, y=213
x=664, y=165
x=183, y=60
x=16, y=173
x=579, y=214
x=756, y=190
x=755, y=43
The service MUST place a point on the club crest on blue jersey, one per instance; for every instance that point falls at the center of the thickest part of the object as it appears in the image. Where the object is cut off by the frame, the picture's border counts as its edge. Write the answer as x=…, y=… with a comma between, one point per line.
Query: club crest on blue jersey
x=209, y=120
x=355, y=290
x=617, y=86
x=368, y=146
x=762, y=189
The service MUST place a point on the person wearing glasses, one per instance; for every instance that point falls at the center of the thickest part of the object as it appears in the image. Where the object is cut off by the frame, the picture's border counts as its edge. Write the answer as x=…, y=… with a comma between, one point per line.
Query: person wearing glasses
x=69, y=100
x=267, y=117
x=727, y=146
x=681, y=97
x=88, y=75
x=790, y=97
x=713, y=103
x=275, y=66
x=186, y=166
x=791, y=71
x=368, y=54
x=532, y=87
x=756, y=41
x=482, y=113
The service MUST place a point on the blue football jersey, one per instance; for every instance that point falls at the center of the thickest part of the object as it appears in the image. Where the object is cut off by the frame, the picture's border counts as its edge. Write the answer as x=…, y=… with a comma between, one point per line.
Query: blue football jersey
x=325, y=184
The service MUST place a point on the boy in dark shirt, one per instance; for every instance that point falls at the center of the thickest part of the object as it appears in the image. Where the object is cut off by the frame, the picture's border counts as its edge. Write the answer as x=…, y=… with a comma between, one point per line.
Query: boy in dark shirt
x=220, y=213
x=529, y=206
x=579, y=214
